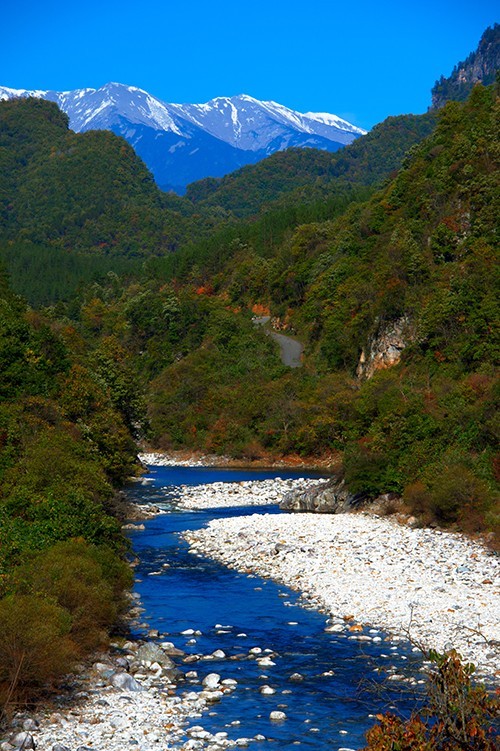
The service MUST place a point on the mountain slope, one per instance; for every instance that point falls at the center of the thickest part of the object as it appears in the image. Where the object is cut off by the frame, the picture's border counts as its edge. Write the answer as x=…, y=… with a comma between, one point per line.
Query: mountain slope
x=304, y=175
x=181, y=143
x=73, y=205
x=420, y=259
x=480, y=66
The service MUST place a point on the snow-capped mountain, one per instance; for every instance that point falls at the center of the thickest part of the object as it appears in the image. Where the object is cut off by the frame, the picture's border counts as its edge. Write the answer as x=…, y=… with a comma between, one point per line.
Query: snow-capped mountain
x=252, y=125
x=181, y=143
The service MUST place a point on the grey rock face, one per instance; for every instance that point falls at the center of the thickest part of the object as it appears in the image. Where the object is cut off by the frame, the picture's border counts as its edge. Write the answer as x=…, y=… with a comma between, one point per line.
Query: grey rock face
x=479, y=67
x=330, y=497
x=386, y=347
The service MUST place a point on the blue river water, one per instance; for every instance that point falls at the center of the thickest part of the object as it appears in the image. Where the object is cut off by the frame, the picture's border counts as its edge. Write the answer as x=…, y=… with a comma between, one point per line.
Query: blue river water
x=344, y=683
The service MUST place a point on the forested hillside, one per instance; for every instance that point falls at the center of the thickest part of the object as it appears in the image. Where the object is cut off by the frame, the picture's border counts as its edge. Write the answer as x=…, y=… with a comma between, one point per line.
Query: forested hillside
x=389, y=278
x=419, y=256
x=75, y=206
x=307, y=175
x=66, y=415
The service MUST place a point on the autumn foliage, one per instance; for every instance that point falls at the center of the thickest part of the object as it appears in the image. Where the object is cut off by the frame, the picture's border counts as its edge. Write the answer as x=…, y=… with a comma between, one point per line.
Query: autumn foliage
x=458, y=715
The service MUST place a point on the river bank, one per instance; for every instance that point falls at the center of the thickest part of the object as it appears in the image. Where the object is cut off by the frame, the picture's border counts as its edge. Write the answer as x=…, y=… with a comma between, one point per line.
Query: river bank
x=128, y=698
x=437, y=588
x=327, y=463
x=232, y=494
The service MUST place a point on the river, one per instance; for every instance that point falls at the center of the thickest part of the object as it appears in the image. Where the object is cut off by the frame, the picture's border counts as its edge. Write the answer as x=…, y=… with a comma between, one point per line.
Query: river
x=343, y=684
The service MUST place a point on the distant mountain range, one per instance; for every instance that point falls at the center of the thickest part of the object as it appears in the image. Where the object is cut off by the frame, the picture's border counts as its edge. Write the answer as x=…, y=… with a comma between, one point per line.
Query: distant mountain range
x=181, y=143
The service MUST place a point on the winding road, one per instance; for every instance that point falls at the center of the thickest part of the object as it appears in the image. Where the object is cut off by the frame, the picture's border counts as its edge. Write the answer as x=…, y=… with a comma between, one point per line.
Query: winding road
x=290, y=349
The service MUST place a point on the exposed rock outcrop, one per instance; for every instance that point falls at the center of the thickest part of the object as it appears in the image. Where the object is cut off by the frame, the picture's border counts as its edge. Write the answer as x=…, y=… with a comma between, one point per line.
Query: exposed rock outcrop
x=331, y=497
x=479, y=67
x=385, y=347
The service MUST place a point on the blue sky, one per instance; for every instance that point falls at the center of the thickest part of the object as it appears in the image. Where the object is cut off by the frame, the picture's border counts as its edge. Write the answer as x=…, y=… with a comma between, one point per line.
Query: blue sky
x=360, y=60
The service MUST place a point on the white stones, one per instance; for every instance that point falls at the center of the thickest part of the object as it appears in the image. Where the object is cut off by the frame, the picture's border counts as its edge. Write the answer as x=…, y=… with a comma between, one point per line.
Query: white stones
x=265, y=662
x=23, y=740
x=227, y=494
x=212, y=696
x=30, y=724
x=277, y=716
x=211, y=681
x=267, y=690
x=125, y=682
x=370, y=567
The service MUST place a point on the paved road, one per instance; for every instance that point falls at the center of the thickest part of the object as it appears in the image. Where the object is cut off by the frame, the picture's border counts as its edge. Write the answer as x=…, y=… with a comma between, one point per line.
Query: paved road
x=290, y=349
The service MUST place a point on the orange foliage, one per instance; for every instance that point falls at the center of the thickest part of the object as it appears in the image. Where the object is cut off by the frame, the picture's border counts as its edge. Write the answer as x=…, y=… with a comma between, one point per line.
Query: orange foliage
x=260, y=310
x=205, y=289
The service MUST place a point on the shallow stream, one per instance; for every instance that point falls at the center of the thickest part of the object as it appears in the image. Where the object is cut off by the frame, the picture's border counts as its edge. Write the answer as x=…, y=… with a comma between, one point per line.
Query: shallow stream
x=344, y=681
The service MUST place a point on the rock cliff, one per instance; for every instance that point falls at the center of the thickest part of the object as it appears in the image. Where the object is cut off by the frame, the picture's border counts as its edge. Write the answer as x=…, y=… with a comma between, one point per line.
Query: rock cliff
x=480, y=66
x=385, y=347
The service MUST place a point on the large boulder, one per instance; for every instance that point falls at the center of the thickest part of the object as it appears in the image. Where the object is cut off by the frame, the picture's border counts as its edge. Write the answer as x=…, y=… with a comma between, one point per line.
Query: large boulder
x=125, y=682
x=151, y=652
x=330, y=497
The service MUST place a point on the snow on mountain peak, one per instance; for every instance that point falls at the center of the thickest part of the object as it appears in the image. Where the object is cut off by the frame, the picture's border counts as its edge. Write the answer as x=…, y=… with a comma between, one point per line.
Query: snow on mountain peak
x=333, y=120
x=250, y=124
x=184, y=142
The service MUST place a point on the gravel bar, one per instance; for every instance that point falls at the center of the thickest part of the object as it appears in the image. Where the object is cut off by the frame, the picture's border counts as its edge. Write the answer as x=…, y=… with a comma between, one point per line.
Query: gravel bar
x=438, y=588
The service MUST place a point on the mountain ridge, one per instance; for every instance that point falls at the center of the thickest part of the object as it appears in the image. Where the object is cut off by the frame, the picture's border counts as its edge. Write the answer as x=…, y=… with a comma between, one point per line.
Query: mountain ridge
x=181, y=143
x=480, y=66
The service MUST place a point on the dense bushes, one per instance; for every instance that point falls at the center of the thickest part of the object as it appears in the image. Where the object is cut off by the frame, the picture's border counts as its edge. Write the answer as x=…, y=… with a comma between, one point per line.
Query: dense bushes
x=63, y=444
x=35, y=647
x=61, y=605
x=87, y=581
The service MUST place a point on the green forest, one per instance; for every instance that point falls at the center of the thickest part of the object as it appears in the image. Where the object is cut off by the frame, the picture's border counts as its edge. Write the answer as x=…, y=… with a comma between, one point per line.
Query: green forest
x=126, y=314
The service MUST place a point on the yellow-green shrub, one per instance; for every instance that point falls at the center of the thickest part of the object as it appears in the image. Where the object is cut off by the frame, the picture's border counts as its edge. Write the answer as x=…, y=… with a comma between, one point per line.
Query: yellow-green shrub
x=85, y=580
x=35, y=646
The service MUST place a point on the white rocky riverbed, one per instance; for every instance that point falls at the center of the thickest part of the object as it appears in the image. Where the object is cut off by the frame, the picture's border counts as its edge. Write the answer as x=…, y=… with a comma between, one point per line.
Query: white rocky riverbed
x=245, y=493
x=360, y=569
x=129, y=700
x=439, y=588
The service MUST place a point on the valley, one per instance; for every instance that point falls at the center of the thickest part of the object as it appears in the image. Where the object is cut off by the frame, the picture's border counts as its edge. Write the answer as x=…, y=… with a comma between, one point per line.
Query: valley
x=252, y=285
